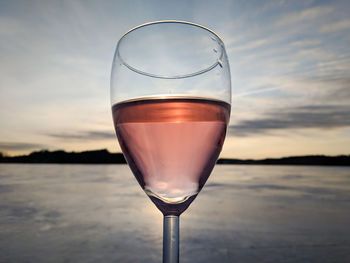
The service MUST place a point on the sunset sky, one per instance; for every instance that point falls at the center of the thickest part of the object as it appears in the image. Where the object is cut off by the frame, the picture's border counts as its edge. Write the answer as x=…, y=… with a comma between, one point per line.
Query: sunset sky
x=290, y=70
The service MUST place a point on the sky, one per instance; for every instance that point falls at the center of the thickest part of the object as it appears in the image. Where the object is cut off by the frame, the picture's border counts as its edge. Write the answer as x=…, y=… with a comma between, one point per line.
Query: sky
x=289, y=61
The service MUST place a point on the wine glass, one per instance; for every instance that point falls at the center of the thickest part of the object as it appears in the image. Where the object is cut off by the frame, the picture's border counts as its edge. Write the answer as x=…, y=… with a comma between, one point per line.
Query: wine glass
x=170, y=96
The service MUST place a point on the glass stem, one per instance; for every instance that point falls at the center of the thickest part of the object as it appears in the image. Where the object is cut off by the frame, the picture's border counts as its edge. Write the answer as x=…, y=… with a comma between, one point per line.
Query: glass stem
x=171, y=239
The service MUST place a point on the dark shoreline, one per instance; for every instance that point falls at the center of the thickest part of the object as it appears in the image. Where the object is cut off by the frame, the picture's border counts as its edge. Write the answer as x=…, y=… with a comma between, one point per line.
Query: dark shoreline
x=105, y=157
x=342, y=160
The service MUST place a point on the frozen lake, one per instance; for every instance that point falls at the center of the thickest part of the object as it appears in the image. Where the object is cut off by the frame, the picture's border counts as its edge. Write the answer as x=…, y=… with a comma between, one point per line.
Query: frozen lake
x=98, y=213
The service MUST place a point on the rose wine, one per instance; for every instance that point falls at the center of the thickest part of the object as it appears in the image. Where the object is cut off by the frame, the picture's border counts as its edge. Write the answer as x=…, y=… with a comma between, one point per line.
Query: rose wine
x=171, y=145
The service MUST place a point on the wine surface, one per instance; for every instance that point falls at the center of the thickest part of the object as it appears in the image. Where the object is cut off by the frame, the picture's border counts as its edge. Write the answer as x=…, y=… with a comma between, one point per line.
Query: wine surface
x=171, y=145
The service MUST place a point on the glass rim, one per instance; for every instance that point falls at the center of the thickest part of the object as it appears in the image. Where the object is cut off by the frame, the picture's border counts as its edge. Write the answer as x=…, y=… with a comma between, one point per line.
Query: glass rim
x=218, y=62
x=170, y=21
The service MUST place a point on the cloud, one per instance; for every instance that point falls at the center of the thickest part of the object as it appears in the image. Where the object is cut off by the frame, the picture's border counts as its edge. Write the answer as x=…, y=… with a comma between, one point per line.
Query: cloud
x=337, y=26
x=305, y=43
x=304, y=15
x=316, y=116
x=20, y=146
x=9, y=26
x=90, y=135
x=250, y=45
x=256, y=91
x=329, y=87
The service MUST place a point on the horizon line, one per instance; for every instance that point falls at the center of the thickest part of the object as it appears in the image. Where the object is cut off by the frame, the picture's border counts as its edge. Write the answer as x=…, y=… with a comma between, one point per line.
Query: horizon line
x=4, y=155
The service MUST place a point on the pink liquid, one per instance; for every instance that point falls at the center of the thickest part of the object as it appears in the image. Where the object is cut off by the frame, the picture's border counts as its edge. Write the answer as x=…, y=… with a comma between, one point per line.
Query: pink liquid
x=171, y=145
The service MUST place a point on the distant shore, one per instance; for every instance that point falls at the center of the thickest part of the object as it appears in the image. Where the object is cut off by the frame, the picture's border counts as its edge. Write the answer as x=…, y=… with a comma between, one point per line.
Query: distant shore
x=341, y=160
x=105, y=157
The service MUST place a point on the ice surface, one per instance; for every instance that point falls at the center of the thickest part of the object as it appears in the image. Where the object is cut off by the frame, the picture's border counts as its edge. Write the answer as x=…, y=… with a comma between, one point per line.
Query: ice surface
x=98, y=213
